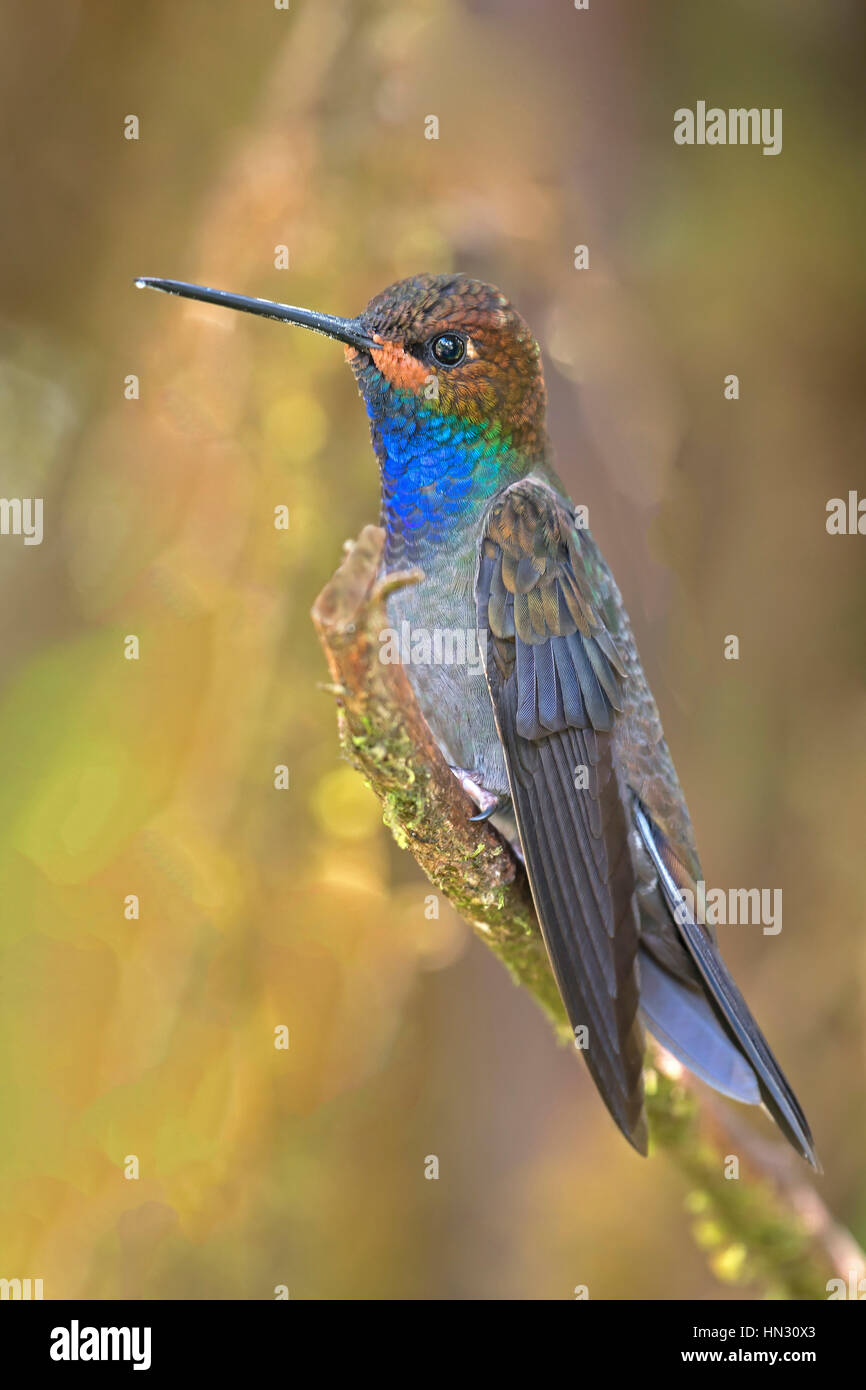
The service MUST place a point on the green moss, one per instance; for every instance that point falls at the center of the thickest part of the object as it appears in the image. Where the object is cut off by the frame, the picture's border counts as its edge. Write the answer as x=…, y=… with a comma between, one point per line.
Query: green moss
x=756, y=1237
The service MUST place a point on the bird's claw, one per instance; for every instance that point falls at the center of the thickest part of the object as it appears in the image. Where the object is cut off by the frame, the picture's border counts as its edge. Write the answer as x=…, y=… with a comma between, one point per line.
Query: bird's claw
x=502, y=803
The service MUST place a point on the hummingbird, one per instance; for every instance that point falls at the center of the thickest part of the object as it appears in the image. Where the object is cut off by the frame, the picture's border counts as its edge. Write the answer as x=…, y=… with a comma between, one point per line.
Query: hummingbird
x=560, y=744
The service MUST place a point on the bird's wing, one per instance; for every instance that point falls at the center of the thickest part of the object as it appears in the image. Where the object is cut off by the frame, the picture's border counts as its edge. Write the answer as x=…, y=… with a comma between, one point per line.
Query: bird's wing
x=555, y=679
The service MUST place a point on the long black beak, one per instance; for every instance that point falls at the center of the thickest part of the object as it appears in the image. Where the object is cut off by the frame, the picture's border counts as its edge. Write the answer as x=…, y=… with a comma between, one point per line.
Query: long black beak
x=344, y=330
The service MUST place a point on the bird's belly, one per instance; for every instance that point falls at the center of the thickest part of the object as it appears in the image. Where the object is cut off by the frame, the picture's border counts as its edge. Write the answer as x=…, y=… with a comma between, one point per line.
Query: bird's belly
x=434, y=633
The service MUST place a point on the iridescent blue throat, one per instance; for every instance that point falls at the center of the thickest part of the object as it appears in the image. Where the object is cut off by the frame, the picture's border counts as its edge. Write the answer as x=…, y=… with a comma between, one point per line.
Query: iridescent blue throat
x=437, y=473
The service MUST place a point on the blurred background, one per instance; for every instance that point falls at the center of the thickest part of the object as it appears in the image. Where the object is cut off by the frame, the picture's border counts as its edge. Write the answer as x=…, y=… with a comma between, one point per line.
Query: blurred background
x=154, y=1036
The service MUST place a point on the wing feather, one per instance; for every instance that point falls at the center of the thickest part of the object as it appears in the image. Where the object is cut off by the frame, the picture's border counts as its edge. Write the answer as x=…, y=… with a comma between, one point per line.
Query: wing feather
x=554, y=679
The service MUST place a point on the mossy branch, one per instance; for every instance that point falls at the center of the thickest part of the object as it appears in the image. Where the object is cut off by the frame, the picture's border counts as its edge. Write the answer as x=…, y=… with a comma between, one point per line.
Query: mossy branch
x=766, y=1228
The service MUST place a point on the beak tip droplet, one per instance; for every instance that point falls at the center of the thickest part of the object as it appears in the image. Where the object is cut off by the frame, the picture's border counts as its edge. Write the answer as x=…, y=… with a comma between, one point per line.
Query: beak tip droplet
x=140, y=284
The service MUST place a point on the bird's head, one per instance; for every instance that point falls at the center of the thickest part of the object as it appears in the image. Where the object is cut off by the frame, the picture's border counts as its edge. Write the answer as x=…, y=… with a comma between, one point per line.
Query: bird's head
x=448, y=345
x=438, y=345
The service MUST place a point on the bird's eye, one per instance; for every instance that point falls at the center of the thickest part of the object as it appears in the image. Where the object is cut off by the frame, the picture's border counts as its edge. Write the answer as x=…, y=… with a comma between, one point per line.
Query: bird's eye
x=448, y=348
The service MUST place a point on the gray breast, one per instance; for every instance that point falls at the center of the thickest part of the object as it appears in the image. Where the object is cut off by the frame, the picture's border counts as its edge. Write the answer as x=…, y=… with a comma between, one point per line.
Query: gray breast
x=434, y=628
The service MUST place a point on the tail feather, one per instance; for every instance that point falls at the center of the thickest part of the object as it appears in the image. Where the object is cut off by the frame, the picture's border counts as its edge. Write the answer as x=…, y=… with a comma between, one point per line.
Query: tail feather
x=731, y=1007
x=684, y=1022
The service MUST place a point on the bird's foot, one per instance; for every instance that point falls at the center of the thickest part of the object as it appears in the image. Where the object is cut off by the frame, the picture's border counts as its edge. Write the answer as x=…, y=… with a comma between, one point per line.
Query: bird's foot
x=500, y=805
x=488, y=803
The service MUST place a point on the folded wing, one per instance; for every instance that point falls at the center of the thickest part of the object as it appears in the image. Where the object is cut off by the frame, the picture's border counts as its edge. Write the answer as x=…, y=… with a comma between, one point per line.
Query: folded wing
x=554, y=677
